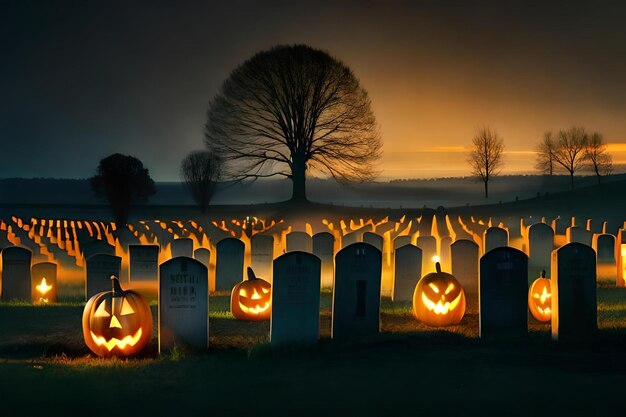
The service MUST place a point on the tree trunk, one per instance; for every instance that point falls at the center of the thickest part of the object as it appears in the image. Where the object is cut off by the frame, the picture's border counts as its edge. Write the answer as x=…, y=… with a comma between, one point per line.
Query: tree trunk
x=571, y=177
x=298, y=177
x=486, y=190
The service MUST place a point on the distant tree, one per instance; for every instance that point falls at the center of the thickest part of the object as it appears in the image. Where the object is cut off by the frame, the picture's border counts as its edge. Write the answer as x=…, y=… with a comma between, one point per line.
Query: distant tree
x=201, y=171
x=292, y=110
x=123, y=181
x=597, y=156
x=570, y=150
x=545, y=154
x=485, y=156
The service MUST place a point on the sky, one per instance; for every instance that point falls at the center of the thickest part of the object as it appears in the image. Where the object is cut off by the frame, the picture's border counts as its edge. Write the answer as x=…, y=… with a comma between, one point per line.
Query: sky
x=80, y=80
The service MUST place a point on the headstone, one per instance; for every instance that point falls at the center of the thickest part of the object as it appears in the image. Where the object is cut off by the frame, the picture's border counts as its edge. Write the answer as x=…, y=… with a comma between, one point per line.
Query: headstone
x=99, y=269
x=578, y=234
x=503, y=294
x=356, y=296
x=604, y=245
x=495, y=237
x=374, y=240
x=428, y=245
x=540, y=246
x=203, y=255
x=182, y=247
x=299, y=241
x=350, y=238
x=183, y=304
x=144, y=263
x=464, y=255
x=262, y=250
x=95, y=247
x=295, y=299
x=324, y=248
x=445, y=256
x=229, y=264
x=44, y=282
x=16, y=280
x=407, y=272
x=573, y=282
x=401, y=241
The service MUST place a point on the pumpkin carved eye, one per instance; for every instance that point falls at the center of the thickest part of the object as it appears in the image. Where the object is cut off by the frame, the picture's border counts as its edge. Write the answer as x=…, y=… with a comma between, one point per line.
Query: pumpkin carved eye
x=102, y=311
x=450, y=288
x=433, y=287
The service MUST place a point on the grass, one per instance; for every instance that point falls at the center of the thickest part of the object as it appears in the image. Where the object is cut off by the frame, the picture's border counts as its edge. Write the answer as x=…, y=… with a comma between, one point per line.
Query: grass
x=409, y=369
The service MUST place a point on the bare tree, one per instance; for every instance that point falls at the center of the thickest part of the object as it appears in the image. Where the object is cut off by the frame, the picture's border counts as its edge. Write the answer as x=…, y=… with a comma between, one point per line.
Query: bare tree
x=200, y=171
x=545, y=154
x=485, y=156
x=570, y=150
x=292, y=110
x=597, y=156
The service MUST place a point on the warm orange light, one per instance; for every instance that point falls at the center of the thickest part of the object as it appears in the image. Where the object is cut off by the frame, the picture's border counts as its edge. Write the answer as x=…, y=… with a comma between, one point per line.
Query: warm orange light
x=43, y=287
x=114, y=342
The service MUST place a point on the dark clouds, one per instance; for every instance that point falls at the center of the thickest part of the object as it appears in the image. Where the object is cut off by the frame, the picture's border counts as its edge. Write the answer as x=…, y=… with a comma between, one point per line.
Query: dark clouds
x=80, y=80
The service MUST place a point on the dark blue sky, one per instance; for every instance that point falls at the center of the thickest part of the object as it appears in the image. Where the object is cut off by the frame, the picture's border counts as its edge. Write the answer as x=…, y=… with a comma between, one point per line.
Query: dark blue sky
x=80, y=80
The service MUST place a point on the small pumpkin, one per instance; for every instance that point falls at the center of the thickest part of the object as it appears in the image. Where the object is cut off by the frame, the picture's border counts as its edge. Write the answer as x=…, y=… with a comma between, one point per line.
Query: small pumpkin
x=117, y=322
x=251, y=299
x=439, y=299
x=540, y=298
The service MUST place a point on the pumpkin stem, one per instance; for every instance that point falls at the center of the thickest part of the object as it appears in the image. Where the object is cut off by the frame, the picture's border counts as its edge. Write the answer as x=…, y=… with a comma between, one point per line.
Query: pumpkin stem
x=115, y=284
x=438, y=267
x=543, y=273
x=251, y=276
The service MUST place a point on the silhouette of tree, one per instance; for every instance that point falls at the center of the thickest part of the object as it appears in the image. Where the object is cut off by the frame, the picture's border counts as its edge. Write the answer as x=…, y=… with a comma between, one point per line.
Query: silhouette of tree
x=485, y=156
x=570, y=150
x=200, y=171
x=123, y=181
x=292, y=110
x=545, y=154
x=597, y=156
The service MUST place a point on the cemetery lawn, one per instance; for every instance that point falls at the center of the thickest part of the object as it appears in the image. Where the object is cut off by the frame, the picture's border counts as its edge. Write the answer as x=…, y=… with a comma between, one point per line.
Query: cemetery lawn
x=409, y=369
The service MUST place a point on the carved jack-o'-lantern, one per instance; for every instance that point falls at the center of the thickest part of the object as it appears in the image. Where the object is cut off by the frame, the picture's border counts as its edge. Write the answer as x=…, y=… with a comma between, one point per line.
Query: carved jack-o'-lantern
x=540, y=298
x=117, y=322
x=251, y=299
x=438, y=299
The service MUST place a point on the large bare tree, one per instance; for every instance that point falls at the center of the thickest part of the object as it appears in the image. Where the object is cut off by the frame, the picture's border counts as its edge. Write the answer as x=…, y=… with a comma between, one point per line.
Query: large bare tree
x=292, y=110
x=200, y=171
x=545, y=154
x=485, y=156
x=598, y=157
x=570, y=150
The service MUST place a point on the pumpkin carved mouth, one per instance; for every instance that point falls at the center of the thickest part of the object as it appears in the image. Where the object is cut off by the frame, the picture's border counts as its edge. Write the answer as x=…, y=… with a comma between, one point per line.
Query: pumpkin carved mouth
x=115, y=342
x=440, y=307
x=254, y=310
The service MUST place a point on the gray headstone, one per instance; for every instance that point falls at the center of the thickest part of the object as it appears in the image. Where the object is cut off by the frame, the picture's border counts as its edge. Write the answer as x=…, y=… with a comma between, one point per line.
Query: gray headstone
x=401, y=241
x=95, y=247
x=495, y=237
x=183, y=304
x=503, y=293
x=262, y=253
x=350, y=238
x=356, y=296
x=144, y=263
x=295, y=299
x=578, y=234
x=573, y=281
x=464, y=255
x=99, y=269
x=324, y=248
x=540, y=246
x=16, y=281
x=428, y=245
x=44, y=282
x=203, y=255
x=182, y=247
x=604, y=245
x=374, y=240
x=445, y=256
x=229, y=264
x=299, y=242
x=407, y=272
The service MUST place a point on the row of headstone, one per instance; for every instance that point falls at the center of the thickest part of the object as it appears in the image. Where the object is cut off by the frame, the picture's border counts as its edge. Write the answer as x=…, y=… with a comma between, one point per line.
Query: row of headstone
x=503, y=290
x=21, y=281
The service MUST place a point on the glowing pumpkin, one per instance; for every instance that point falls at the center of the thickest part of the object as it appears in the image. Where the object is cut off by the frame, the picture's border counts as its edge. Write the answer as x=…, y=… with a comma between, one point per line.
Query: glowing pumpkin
x=117, y=322
x=251, y=299
x=540, y=298
x=438, y=299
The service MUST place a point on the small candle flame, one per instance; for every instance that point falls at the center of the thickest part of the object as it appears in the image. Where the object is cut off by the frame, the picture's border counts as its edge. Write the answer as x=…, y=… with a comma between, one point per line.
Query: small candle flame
x=435, y=259
x=43, y=287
